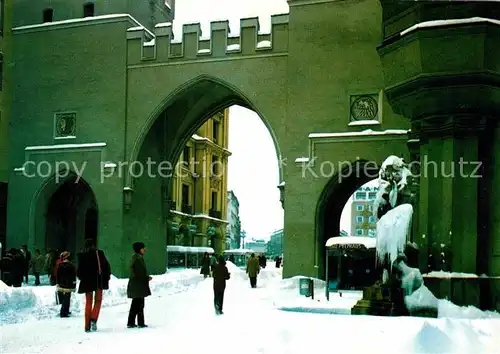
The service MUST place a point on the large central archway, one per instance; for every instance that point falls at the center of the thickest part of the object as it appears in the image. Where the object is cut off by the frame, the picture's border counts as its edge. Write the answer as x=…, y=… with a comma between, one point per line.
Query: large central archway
x=66, y=215
x=162, y=139
x=332, y=201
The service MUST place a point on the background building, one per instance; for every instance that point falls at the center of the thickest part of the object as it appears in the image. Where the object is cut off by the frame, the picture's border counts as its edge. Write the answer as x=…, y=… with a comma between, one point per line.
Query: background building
x=234, y=223
x=275, y=244
x=258, y=246
x=198, y=216
x=5, y=40
x=363, y=221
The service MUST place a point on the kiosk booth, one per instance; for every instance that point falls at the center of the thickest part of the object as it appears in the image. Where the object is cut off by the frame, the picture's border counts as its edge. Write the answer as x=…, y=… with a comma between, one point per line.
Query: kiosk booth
x=186, y=257
x=354, y=267
x=240, y=256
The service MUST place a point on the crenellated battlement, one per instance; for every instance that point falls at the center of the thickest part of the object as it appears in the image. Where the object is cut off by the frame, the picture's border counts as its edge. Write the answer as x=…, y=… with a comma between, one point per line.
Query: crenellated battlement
x=220, y=42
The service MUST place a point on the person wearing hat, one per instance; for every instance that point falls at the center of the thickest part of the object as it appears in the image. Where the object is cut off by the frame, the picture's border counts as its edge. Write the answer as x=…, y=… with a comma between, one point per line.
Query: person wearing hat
x=138, y=286
x=66, y=282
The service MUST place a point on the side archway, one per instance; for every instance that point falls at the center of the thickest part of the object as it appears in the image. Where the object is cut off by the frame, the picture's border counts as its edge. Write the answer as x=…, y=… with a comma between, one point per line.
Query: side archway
x=332, y=200
x=64, y=213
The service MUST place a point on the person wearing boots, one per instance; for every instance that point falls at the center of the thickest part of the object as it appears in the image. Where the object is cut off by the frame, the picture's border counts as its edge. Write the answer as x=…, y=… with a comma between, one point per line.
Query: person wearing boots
x=220, y=275
x=138, y=286
x=66, y=282
x=94, y=272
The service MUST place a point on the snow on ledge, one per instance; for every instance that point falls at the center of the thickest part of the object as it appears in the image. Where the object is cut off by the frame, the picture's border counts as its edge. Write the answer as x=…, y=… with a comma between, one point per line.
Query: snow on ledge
x=302, y=160
x=82, y=20
x=64, y=146
x=368, y=242
x=282, y=184
x=367, y=132
x=363, y=122
x=449, y=275
x=439, y=23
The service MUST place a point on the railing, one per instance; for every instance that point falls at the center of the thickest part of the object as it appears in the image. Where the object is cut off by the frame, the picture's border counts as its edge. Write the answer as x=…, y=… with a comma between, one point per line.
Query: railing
x=215, y=214
x=187, y=209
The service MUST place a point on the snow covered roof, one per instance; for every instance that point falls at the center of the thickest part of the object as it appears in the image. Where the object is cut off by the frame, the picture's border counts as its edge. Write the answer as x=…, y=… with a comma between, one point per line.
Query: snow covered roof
x=450, y=22
x=334, y=242
x=185, y=249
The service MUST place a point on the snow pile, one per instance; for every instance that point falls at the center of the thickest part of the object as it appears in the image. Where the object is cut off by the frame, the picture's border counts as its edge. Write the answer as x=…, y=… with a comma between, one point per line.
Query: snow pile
x=449, y=336
x=3, y=287
x=392, y=231
x=33, y=303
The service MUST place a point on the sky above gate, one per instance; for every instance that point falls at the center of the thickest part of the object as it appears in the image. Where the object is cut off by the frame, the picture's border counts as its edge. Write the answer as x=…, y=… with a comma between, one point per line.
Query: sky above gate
x=253, y=168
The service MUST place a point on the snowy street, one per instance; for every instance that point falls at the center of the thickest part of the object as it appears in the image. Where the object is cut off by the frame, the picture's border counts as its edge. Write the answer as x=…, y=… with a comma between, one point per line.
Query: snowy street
x=183, y=321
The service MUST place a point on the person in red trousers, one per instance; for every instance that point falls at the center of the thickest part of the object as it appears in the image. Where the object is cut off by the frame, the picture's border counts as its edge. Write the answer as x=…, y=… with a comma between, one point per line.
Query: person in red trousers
x=94, y=273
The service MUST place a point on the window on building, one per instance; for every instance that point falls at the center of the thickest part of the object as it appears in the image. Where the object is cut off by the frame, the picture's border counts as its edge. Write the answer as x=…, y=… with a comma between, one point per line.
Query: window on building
x=48, y=15
x=215, y=165
x=214, y=201
x=372, y=195
x=372, y=232
x=371, y=219
x=360, y=195
x=88, y=9
x=359, y=207
x=359, y=219
x=186, y=154
x=215, y=133
x=185, y=194
x=370, y=207
x=2, y=16
x=359, y=232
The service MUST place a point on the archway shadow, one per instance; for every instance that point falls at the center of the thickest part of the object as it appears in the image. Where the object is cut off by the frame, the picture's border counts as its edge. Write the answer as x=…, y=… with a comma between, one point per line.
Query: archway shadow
x=65, y=214
x=332, y=200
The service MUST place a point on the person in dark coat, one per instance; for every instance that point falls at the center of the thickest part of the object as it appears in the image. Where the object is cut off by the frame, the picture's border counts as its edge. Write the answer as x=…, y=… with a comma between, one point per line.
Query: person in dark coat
x=138, y=286
x=66, y=282
x=94, y=272
x=205, y=265
x=27, y=262
x=220, y=275
x=17, y=270
x=7, y=268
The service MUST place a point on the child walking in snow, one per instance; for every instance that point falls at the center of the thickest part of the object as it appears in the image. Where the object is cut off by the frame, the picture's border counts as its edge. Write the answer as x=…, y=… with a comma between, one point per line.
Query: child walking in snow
x=66, y=282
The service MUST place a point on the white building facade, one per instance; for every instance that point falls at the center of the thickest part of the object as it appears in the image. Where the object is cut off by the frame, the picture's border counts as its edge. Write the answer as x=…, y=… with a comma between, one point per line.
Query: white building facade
x=233, y=231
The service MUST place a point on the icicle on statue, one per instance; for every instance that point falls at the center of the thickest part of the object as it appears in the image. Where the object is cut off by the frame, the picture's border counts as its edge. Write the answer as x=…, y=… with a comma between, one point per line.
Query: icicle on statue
x=394, y=211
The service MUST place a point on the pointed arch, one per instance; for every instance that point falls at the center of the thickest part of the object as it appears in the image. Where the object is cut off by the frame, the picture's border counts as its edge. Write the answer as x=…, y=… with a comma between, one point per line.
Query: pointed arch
x=201, y=97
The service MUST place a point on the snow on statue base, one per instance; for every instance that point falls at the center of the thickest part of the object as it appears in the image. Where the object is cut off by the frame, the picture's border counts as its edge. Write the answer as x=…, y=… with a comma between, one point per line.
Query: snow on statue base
x=401, y=285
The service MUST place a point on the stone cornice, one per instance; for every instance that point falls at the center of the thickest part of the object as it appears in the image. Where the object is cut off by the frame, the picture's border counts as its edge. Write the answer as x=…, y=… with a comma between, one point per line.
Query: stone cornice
x=451, y=125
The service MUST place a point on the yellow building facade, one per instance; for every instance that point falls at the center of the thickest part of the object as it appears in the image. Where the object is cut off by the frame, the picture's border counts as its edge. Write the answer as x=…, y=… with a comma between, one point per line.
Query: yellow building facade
x=199, y=206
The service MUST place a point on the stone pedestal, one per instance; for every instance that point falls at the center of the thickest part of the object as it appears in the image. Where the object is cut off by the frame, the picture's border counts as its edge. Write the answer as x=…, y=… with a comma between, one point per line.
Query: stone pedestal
x=380, y=300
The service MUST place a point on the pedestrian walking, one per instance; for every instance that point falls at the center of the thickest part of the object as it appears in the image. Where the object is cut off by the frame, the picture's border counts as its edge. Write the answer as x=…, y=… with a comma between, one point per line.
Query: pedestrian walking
x=138, y=286
x=66, y=283
x=38, y=263
x=253, y=269
x=94, y=272
x=220, y=275
x=205, y=265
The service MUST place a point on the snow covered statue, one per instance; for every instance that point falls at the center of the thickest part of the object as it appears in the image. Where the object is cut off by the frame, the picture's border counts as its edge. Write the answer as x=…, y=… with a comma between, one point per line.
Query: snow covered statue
x=394, y=209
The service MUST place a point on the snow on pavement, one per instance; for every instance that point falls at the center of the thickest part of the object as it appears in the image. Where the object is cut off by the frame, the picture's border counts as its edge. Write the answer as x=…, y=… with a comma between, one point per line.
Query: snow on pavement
x=184, y=322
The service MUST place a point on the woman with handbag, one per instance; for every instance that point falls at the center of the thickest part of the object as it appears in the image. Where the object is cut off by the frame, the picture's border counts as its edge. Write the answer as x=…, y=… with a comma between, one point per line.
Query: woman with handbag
x=94, y=273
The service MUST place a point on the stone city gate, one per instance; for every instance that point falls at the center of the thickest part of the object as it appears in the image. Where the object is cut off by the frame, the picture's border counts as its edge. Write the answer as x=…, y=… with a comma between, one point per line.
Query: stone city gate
x=111, y=92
